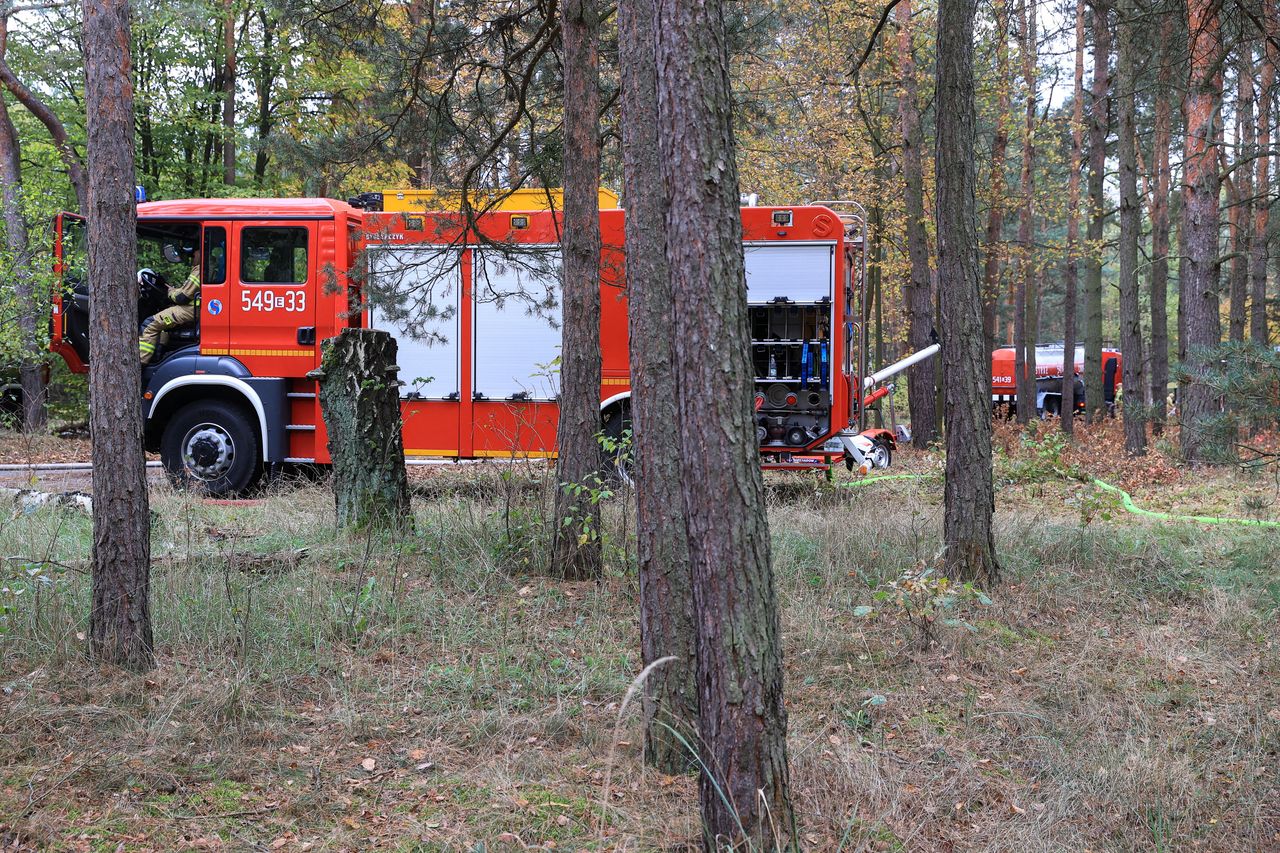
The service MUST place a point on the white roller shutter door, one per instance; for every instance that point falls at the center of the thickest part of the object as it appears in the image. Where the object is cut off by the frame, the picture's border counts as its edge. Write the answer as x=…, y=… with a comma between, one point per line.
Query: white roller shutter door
x=517, y=324
x=800, y=272
x=420, y=289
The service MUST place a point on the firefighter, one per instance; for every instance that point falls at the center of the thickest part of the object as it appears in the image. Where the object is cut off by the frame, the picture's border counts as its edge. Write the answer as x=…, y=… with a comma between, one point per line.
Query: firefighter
x=183, y=311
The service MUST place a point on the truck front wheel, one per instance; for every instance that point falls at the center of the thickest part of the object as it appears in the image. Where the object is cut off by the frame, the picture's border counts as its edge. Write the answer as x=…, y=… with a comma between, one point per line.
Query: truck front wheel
x=211, y=446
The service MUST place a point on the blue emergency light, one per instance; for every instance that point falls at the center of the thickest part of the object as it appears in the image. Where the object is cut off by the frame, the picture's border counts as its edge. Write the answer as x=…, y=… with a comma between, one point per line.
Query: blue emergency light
x=139, y=193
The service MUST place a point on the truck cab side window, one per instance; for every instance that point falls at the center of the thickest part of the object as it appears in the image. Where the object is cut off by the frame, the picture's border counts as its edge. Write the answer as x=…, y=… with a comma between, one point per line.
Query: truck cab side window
x=215, y=255
x=273, y=255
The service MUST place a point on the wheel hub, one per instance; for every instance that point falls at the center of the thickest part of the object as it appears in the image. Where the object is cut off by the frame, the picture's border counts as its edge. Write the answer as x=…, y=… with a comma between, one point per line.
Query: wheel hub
x=208, y=451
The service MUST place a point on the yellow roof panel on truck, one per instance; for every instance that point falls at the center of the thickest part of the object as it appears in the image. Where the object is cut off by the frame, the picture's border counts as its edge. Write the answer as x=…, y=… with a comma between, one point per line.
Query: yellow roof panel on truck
x=522, y=199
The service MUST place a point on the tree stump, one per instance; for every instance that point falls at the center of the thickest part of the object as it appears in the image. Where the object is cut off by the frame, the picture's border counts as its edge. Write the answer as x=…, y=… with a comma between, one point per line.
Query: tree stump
x=361, y=407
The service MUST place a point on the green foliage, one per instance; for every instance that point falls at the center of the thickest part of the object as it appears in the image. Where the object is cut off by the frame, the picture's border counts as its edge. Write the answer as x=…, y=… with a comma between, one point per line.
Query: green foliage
x=925, y=600
x=1246, y=377
x=1042, y=458
x=22, y=584
x=525, y=541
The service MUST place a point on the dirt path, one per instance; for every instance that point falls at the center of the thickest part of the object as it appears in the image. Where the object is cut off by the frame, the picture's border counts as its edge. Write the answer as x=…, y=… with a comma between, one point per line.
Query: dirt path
x=80, y=480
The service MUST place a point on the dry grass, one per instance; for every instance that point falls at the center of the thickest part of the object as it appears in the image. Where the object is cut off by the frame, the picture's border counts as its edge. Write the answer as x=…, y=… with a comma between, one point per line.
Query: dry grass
x=1120, y=694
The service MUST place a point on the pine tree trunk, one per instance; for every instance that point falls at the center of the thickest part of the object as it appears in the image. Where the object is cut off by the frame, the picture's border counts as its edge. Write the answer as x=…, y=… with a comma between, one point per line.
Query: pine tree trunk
x=999, y=147
x=120, y=621
x=667, y=627
x=264, y=82
x=921, y=378
x=969, y=494
x=1258, y=331
x=1024, y=310
x=17, y=241
x=1095, y=404
x=1201, y=222
x=742, y=722
x=1135, y=428
x=1068, y=408
x=1241, y=185
x=576, y=553
x=228, y=92
x=360, y=400
x=1160, y=232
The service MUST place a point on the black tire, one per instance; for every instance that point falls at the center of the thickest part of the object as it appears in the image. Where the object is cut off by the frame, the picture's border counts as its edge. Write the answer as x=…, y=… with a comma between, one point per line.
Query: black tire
x=213, y=447
x=615, y=424
x=1052, y=405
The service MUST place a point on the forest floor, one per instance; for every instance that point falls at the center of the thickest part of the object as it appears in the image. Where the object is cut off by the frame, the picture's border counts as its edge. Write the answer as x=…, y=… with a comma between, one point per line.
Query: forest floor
x=324, y=692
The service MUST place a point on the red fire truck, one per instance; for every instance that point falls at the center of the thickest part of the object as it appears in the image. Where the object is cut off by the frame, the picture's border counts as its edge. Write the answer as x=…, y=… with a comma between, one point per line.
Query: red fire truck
x=474, y=309
x=1050, y=368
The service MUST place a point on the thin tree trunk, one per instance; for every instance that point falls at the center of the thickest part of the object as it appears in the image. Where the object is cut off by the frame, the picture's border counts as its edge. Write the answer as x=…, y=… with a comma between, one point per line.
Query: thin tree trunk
x=667, y=627
x=921, y=378
x=1068, y=408
x=1180, y=217
x=999, y=147
x=744, y=788
x=1024, y=330
x=17, y=240
x=1201, y=222
x=1095, y=404
x=1239, y=215
x=70, y=157
x=969, y=494
x=228, y=92
x=1160, y=231
x=265, y=82
x=1258, y=331
x=576, y=551
x=120, y=621
x=1240, y=194
x=1237, y=291
x=1135, y=428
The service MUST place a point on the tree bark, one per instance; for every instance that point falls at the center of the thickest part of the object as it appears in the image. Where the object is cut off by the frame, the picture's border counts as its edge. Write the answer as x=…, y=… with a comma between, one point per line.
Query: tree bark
x=1240, y=195
x=1095, y=405
x=360, y=400
x=744, y=787
x=969, y=494
x=31, y=376
x=1160, y=231
x=1135, y=427
x=1069, y=307
x=120, y=621
x=1200, y=222
x=667, y=627
x=1024, y=303
x=265, y=81
x=229, y=92
x=921, y=378
x=1258, y=331
x=70, y=157
x=999, y=147
x=576, y=552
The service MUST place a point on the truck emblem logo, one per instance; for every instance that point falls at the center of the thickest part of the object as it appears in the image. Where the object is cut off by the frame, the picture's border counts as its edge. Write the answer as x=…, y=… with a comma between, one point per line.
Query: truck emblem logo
x=215, y=306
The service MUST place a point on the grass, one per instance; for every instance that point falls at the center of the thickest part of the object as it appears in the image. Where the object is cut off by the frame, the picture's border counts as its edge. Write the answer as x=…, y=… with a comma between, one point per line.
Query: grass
x=1121, y=692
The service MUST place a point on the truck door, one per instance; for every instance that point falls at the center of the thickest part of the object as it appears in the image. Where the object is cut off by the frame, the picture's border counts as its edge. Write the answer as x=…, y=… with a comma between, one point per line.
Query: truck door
x=272, y=315
x=215, y=294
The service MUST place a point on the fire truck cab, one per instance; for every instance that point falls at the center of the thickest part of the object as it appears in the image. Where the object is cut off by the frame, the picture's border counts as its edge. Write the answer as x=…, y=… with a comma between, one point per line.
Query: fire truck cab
x=475, y=310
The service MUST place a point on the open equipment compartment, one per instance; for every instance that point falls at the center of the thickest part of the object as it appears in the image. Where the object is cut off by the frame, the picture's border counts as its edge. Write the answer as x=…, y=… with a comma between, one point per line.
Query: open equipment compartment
x=789, y=294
